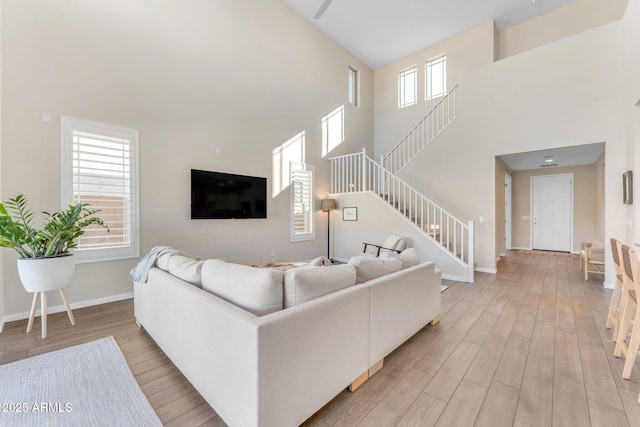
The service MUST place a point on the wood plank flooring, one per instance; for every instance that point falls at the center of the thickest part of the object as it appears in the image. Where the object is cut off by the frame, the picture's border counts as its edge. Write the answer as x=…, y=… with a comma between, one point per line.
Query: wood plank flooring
x=525, y=347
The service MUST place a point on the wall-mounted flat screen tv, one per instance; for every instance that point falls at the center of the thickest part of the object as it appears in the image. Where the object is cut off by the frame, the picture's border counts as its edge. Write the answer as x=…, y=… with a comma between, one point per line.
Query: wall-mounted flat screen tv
x=216, y=195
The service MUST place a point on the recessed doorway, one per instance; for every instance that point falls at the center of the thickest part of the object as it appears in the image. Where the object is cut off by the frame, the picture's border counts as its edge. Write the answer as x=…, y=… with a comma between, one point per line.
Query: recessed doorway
x=552, y=212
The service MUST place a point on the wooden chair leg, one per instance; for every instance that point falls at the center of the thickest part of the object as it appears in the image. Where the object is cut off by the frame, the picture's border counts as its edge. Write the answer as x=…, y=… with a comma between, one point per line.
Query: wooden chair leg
x=66, y=305
x=43, y=315
x=625, y=322
x=586, y=268
x=613, y=307
x=33, y=311
x=634, y=344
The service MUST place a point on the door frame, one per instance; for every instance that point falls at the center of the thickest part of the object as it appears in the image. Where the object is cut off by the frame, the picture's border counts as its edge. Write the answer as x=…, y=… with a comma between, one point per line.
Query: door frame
x=571, y=195
x=508, y=192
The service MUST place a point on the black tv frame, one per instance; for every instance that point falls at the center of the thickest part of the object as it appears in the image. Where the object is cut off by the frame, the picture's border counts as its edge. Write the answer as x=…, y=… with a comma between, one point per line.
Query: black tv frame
x=253, y=207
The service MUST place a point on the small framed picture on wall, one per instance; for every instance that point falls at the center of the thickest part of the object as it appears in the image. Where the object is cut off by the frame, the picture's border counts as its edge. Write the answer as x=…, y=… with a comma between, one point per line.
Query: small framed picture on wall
x=349, y=214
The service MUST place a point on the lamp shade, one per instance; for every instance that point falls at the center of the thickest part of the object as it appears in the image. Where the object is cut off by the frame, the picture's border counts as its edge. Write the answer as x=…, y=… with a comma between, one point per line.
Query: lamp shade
x=328, y=204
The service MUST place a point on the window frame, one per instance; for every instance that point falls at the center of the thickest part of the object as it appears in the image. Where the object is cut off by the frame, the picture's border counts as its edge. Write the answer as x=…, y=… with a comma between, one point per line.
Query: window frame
x=297, y=167
x=69, y=125
x=402, y=75
x=428, y=82
x=353, y=89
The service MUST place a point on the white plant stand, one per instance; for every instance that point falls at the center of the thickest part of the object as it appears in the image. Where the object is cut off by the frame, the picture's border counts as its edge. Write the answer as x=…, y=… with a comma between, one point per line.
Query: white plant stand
x=43, y=311
x=40, y=275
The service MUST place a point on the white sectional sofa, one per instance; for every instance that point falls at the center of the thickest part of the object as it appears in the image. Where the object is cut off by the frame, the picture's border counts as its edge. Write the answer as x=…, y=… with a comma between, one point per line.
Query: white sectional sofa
x=260, y=364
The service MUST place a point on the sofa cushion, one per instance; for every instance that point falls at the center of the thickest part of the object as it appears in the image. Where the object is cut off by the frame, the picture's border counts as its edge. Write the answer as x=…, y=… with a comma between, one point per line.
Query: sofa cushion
x=408, y=257
x=306, y=283
x=257, y=290
x=187, y=269
x=163, y=262
x=368, y=268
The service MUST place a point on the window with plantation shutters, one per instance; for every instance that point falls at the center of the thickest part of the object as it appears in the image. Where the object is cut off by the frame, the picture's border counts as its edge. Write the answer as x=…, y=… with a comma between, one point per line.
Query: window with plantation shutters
x=302, y=202
x=99, y=168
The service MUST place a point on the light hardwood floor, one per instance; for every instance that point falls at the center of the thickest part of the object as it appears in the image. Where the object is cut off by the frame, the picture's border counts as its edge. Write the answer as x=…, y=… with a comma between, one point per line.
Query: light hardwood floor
x=525, y=347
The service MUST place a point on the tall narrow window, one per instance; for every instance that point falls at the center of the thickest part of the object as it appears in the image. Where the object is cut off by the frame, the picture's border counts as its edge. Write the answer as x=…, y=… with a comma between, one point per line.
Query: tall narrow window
x=99, y=167
x=302, y=202
x=436, y=77
x=353, y=82
x=332, y=130
x=407, y=87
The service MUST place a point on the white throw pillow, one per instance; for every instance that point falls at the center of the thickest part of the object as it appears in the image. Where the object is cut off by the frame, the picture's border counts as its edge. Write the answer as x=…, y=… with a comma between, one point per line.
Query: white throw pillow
x=257, y=290
x=316, y=262
x=409, y=257
x=368, y=268
x=307, y=283
x=187, y=269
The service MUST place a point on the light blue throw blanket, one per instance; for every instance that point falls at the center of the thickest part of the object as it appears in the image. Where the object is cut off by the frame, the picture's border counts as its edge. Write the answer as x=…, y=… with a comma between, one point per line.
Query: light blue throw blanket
x=140, y=273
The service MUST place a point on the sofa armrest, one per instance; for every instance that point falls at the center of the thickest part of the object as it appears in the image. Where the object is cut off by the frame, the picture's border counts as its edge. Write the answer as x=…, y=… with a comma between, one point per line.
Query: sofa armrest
x=402, y=303
x=211, y=341
x=309, y=353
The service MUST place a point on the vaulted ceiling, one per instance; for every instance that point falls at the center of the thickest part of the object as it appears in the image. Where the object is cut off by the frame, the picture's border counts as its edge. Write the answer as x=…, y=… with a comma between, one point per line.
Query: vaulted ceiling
x=379, y=32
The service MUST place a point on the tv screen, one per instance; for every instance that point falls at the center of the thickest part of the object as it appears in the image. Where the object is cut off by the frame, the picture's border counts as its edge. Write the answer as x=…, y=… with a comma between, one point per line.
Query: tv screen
x=216, y=195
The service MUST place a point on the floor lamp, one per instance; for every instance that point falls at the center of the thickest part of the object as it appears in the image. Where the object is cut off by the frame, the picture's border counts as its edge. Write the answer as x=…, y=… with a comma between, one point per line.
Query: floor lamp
x=326, y=206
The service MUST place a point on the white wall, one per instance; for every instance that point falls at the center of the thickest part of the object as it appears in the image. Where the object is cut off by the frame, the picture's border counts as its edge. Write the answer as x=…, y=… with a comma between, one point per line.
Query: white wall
x=575, y=17
x=562, y=94
x=347, y=237
x=190, y=76
x=465, y=52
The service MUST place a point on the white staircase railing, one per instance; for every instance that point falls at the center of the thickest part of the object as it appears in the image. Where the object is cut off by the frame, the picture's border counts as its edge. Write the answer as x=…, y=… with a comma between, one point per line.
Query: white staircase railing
x=358, y=172
x=436, y=120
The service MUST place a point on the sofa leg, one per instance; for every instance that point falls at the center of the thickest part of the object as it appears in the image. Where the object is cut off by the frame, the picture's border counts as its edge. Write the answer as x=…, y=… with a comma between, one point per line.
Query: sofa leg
x=365, y=376
x=435, y=320
x=375, y=368
x=359, y=381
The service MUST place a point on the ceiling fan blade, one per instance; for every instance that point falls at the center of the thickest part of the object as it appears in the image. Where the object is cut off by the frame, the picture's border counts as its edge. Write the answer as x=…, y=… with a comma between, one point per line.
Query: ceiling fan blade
x=323, y=7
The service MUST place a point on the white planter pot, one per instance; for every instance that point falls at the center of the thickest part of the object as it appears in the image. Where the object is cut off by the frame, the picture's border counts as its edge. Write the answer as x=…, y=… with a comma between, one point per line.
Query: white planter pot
x=46, y=274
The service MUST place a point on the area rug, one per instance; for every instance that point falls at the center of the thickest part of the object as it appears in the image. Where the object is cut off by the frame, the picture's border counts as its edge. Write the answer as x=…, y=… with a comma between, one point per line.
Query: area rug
x=443, y=288
x=85, y=385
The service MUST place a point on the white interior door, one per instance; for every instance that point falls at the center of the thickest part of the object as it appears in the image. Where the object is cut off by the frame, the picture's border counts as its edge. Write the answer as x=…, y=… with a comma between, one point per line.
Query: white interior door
x=552, y=212
x=507, y=211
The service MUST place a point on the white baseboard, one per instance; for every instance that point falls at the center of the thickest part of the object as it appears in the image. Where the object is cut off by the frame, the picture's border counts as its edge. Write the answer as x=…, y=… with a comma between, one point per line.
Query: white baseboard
x=454, y=278
x=60, y=308
x=606, y=285
x=486, y=270
x=513, y=248
x=502, y=254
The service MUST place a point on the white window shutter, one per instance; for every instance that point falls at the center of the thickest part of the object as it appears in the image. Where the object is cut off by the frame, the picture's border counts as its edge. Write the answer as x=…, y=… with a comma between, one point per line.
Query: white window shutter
x=100, y=169
x=302, y=202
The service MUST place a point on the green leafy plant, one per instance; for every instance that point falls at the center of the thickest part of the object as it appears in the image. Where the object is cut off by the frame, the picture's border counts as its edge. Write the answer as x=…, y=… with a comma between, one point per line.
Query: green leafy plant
x=57, y=235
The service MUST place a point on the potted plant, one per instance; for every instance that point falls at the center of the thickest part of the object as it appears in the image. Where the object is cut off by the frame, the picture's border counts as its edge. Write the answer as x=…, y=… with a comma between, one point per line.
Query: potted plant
x=45, y=262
